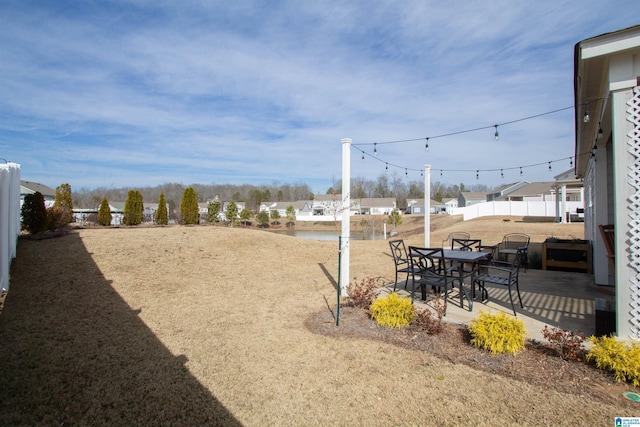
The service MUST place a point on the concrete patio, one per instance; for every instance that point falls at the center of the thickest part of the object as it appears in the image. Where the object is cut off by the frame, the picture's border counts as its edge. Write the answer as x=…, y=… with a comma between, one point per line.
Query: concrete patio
x=555, y=298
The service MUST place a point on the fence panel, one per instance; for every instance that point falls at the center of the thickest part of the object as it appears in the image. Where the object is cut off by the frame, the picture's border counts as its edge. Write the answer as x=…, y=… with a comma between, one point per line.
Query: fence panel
x=9, y=218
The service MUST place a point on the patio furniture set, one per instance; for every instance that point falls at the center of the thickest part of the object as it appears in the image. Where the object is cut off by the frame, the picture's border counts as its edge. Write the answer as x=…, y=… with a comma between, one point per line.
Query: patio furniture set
x=462, y=259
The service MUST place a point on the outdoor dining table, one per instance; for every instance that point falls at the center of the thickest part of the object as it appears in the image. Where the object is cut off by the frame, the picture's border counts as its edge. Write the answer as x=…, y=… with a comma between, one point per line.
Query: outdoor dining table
x=464, y=257
x=461, y=258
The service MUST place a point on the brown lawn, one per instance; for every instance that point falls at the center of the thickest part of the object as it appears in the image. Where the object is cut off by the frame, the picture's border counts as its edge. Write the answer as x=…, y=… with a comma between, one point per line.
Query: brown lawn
x=211, y=325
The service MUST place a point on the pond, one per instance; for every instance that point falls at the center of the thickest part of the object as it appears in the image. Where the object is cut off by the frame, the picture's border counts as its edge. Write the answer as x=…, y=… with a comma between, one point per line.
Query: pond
x=322, y=235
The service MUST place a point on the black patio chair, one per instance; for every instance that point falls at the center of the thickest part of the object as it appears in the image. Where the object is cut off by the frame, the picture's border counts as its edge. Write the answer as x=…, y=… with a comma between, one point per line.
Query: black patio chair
x=516, y=245
x=401, y=260
x=429, y=269
x=501, y=274
x=448, y=242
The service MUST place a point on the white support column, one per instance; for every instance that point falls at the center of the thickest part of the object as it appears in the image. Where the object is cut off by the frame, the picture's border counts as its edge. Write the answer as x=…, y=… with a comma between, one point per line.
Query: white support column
x=346, y=212
x=564, y=204
x=427, y=206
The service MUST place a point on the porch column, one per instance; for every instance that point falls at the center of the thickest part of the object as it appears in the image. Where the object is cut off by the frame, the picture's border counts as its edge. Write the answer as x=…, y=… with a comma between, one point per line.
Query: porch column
x=563, y=192
x=427, y=206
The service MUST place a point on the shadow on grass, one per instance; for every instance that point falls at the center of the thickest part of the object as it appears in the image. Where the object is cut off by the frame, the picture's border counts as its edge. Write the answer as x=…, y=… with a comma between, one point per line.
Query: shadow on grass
x=73, y=352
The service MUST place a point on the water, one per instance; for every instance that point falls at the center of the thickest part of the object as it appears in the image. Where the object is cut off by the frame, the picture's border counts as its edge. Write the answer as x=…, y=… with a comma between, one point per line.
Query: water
x=323, y=235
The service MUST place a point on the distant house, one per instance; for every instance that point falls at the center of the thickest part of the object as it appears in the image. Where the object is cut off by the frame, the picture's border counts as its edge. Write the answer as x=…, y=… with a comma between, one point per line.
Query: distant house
x=450, y=205
x=467, y=198
x=416, y=206
x=375, y=206
x=28, y=187
x=505, y=190
x=281, y=207
x=530, y=192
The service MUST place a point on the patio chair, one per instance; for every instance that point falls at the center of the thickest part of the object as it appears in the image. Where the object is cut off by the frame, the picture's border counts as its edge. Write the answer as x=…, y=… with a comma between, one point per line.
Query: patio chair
x=426, y=264
x=516, y=245
x=465, y=244
x=448, y=242
x=501, y=274
x=401, y=260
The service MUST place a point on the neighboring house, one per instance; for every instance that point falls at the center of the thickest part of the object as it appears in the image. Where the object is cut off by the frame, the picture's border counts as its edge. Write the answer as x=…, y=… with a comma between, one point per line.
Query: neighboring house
x=505, y=190
x=450, y=205
x=281, y=207
x=416, y=206
x=28, y=187
x=83, y=215
x=568, y=189
x=607, y=157
x=375, y=206
x=467, y=198
x=530, y=192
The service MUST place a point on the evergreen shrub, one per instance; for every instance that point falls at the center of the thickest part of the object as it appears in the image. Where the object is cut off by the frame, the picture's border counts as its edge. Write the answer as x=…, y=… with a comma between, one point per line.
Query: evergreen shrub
x=393, y=311
x=622, y=359
x=497, y=333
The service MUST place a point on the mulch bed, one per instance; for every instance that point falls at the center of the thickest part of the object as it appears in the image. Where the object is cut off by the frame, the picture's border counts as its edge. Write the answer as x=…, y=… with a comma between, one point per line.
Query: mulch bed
x=537, y=364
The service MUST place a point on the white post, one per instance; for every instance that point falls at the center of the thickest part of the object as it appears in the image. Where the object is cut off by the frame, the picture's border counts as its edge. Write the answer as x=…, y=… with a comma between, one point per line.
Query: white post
x=427, y=206
x=564, y=205
x=346, y=218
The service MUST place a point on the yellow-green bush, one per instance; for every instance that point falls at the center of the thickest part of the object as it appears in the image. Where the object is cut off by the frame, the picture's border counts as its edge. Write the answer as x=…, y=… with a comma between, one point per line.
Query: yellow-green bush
x=392, y=311
x=621, y=359
x=497, y=333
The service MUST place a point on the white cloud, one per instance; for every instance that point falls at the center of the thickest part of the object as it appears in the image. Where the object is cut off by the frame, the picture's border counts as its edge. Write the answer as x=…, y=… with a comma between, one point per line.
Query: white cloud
x=151, y=92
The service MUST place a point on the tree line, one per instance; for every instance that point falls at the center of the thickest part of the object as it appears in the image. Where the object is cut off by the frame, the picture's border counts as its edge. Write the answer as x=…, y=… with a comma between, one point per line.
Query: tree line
x=386, y=185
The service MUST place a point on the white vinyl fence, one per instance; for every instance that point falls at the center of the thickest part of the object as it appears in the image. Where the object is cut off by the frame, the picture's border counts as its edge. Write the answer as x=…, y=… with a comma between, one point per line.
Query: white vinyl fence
x=509, y=208
x=9, y=218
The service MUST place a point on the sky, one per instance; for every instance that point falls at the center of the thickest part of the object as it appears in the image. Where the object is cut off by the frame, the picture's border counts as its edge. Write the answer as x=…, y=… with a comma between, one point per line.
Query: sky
x=142, y=93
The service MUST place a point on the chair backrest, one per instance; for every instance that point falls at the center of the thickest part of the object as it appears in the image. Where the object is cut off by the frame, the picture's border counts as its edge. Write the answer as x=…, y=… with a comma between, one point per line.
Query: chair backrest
x=431, y=259
x=447, y=243
x=515, y=241
x=465, y=244
x=398, y=251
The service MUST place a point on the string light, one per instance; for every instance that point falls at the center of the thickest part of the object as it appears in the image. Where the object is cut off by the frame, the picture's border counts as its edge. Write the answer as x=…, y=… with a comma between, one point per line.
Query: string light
x=520, y=170
x=375, y=149
x=440, y=172
x=586, y=117
x=549, y=166
x=405, y=172
x=501, y=174
x=386, y=168
x=496, y=135
x=426, y=146
x=570, y=161
x=363, y=156
x=477, y=174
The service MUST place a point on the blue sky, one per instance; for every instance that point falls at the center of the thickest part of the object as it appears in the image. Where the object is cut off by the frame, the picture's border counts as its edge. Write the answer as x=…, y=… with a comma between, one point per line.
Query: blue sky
x=140, y=93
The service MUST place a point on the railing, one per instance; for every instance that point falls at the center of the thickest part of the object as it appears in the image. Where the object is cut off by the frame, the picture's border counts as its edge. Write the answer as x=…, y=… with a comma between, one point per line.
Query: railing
x=9, y=218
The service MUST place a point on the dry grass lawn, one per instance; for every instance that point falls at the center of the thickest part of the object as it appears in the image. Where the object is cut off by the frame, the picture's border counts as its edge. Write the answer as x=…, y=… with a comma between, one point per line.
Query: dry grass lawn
x=210, y=326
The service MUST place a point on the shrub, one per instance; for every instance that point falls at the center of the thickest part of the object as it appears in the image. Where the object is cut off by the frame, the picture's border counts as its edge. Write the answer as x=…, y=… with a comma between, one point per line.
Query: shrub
x=497, y=333
x=362, y=293
x=133, y=208
x=104, y=213
x=567, y=344
x=56, y=218
x=189, y=213
x=34, y=214
x=393, y=311
x=161, y=215
x=616, y=356
x=64, y=201
x=431, y=321
x=535, y=260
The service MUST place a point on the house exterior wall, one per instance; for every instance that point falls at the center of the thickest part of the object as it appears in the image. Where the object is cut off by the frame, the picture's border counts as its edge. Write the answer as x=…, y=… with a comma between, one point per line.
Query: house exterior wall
x=626, y=184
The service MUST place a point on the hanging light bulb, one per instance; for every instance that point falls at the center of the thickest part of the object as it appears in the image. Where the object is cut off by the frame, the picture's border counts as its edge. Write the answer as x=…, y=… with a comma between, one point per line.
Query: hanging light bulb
x=421, y=172
x=440, y=172
x=363, y=156
x=570, y=161
x=426, y=146
x=600, y=133
x=501, y=174
x=405, y=172
x=520, y=170
x=386, y=167
x=549, y=166
x=586, y=117
x=496, y=135
x=477, y=174
x=375, y=149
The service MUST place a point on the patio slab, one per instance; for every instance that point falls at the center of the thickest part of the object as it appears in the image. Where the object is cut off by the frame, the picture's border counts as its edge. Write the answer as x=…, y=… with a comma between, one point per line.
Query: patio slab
x=554, y=298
